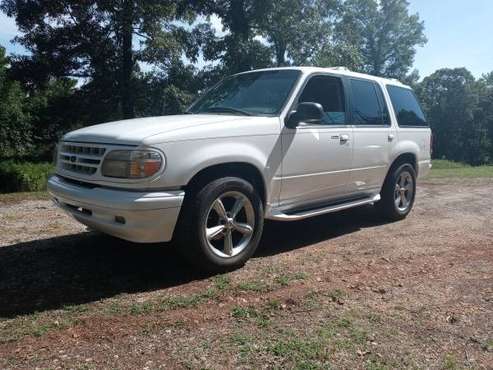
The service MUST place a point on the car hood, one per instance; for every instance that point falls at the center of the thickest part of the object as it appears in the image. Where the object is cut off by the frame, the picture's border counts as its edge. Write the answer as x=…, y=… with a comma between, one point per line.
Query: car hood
x=165, y=128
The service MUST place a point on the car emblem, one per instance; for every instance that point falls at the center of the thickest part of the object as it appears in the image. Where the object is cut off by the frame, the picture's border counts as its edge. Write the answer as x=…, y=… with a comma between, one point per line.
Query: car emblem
x=73, y=159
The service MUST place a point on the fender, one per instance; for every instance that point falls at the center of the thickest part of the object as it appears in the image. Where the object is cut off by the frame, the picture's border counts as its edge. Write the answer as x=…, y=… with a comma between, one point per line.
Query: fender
x=186, y=159
x=404, y=147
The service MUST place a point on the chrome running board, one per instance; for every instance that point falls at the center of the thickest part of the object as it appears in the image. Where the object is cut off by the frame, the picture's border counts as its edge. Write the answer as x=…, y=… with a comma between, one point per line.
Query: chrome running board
x=285, y=216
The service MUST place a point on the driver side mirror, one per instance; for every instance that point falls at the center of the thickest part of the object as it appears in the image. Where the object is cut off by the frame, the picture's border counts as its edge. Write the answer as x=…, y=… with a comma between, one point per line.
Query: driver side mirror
x=307, y=112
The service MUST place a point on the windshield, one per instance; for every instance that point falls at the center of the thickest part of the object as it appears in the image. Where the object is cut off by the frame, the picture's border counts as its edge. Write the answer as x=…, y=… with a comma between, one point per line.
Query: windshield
x=256, y=93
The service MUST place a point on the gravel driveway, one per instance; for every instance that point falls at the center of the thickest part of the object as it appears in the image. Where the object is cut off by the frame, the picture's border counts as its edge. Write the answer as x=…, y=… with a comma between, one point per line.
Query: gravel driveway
x=343, y=291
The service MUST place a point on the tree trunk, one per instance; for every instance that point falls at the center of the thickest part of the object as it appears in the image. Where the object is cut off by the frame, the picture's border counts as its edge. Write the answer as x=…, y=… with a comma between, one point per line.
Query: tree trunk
x=127, y=63
x=280, y=48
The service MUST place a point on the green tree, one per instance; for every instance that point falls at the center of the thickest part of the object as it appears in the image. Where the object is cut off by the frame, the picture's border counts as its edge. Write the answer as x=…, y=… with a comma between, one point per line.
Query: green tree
x=100, y=41
x=450, y=98
x=15, y=128
x=239, y=49
x=262, y=33
x=484, y=115
x=384, y=34
x=53, y=110
x=296, y=30
x=171, y=92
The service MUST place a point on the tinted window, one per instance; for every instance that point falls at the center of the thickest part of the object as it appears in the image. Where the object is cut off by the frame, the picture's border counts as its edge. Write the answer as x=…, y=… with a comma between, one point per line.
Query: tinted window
x=366, y=108
x=384, y=110
x=406, y=107
x=256, y=93
x=329, y=93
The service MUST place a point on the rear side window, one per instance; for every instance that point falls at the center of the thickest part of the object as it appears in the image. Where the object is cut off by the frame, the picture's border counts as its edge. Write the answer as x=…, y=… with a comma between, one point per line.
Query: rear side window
x=366, y=108
x=406, y=107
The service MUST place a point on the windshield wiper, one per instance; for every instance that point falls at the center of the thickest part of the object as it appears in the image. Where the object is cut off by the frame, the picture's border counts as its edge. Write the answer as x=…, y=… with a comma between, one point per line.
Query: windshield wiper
x=227, y=110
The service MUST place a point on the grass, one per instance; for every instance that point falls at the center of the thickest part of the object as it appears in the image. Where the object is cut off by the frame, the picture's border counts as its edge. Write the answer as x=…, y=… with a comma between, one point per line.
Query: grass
x=39, y=324
x=36, y=325
x=254, y=286
x=450, y=363
x=488, y=345
x=259, y=316
x=446, y=169
x=316, y=346
x=286, y=279
x=222, y=282
x=316, y=349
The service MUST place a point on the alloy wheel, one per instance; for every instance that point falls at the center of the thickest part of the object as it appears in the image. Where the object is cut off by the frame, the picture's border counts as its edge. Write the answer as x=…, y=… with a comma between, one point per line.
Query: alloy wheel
x=230, y=224
x=404, y=191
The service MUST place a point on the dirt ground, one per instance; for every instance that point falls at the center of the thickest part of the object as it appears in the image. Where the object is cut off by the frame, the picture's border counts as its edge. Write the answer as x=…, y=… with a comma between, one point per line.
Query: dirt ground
x=339, y=291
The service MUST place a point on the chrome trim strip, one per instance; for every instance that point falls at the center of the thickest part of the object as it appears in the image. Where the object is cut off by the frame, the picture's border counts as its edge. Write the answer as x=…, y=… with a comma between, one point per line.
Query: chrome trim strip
x=330, y=172
x=280, y=216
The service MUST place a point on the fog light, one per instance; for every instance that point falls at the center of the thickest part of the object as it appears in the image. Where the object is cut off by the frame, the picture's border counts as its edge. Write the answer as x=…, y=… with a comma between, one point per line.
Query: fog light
x=120, y=220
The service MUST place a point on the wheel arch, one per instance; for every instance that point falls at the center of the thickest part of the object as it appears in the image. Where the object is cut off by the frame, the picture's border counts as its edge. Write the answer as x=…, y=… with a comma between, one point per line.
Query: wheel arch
x=406, y=157
x=244, y=170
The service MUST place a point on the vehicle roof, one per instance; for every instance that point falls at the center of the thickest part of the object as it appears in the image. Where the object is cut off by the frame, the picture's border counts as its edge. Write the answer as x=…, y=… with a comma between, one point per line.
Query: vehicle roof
x=343, y=71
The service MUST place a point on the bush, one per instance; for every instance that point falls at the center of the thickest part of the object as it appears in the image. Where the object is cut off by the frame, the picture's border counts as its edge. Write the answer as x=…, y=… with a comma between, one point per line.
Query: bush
x=24, y=176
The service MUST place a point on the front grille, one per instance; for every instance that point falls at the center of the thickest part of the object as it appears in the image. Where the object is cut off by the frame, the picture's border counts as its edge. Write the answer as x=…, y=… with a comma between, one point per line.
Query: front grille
x=81, y=158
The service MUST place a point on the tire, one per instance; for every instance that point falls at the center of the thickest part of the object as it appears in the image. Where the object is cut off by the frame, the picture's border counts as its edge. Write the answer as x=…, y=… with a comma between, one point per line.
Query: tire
x=213, y=234
x=398, y=192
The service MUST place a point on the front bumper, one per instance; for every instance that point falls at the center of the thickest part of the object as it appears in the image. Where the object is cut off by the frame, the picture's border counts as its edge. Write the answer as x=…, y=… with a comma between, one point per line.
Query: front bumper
x=143, y=217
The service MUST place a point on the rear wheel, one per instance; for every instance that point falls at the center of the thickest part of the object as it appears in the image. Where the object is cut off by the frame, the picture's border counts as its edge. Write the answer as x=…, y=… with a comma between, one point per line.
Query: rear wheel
x=398, y=192
x=221, y=224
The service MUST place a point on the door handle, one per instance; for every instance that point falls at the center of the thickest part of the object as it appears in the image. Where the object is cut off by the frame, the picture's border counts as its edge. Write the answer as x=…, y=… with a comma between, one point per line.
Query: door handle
x=391, y=137
x=344, y=138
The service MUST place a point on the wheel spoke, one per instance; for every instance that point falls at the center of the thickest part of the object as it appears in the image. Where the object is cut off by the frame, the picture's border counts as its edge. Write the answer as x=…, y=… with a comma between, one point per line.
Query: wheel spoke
x=228, y=243
x=239, y=203
x=214, y=232
x=219, y=208
x=402, y=181
x=403, y=200
x=243, y=228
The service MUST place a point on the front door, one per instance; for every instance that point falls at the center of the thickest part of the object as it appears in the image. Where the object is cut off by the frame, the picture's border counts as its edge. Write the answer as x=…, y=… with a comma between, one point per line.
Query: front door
x=317, y=157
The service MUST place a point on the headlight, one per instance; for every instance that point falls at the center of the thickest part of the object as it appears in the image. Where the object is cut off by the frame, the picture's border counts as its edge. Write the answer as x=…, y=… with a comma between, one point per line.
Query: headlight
x=132, y=164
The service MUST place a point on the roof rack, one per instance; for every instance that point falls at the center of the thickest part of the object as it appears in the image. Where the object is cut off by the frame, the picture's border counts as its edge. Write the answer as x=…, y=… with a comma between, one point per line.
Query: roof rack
x=340, y=68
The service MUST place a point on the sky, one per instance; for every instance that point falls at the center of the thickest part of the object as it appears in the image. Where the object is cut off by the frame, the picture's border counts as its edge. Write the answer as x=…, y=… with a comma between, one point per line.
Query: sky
x=459, y=32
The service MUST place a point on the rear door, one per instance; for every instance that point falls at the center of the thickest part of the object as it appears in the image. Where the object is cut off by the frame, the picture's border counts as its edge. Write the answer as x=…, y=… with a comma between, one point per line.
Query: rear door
x=373, y=136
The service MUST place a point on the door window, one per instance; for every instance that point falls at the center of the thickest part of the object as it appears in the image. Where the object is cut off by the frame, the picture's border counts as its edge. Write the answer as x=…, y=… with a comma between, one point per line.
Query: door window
x=329, y=93
x=366, y=108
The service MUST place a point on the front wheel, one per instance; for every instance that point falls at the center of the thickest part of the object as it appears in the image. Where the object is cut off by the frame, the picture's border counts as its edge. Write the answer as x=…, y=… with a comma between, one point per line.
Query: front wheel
x=221, y=224
x=398, y=193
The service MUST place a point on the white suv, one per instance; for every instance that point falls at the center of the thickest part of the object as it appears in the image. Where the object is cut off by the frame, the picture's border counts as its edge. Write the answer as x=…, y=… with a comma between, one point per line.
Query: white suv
x=282, y=144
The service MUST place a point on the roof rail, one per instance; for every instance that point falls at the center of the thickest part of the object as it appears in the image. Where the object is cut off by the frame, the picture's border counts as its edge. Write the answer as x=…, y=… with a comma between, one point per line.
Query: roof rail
x=395, y=80
x=340, y=68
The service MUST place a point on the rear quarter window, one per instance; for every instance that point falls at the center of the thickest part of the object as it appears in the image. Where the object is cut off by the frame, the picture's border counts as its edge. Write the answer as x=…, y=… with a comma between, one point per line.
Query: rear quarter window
x=406, y=107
